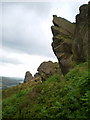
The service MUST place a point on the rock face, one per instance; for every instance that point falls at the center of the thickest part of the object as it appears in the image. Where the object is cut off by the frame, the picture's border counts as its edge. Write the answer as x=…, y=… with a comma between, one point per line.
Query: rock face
x=63, y=32
x=28, y=77
x=46, y=69
x=80, y=43
x=70, y=40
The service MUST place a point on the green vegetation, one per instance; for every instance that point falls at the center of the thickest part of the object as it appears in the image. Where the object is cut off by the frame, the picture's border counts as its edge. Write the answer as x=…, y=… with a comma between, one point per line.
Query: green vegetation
x=57, y=98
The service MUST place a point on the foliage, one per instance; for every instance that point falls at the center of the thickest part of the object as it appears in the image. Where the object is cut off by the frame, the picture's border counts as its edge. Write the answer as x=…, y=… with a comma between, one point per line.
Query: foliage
x=57, y=98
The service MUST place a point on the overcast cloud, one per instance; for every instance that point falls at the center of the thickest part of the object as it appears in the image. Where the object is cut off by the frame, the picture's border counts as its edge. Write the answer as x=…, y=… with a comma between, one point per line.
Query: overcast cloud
x=23, y=27
x=26, y=33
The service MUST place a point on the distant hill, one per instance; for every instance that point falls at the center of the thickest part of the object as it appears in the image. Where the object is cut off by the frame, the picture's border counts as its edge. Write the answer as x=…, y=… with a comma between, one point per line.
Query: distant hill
x=6, y=82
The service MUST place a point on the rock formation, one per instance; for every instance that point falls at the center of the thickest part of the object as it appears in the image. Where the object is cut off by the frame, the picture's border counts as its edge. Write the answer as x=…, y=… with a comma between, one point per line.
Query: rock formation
x=80, y=42
x=70, y=45
x=28, y=77
x=63, y=32
x=47, y=69
x=70, y=40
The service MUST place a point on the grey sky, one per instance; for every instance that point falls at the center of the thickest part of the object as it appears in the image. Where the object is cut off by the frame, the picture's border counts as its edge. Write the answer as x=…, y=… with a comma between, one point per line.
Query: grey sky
x=9, y=60
x=22, y=28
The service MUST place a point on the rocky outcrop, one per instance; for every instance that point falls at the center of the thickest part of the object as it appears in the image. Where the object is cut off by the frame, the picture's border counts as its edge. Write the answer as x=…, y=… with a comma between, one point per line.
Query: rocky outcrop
x=28, y=77
x=47, y=69
x=80, y=43
x=70, y=45
x=70, y=40
x=63, y=32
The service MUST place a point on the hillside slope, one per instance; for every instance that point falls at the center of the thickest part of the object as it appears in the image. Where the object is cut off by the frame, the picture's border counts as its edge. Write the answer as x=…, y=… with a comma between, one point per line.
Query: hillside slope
x=6, y=82
x=57, y=98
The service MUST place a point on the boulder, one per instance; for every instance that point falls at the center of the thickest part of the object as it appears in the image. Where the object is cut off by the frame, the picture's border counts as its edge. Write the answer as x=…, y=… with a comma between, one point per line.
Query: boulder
x=36, y=75
x=47, y=69
x=28, y=77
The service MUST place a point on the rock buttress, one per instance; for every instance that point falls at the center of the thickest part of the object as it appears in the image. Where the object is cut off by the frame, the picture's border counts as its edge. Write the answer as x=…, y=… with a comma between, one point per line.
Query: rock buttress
x=63, y=32
x=70, y=40
x=80, y=43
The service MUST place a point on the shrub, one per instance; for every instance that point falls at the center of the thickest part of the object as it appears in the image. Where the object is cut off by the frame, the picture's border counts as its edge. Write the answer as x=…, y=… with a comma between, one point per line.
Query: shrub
x=58, y=99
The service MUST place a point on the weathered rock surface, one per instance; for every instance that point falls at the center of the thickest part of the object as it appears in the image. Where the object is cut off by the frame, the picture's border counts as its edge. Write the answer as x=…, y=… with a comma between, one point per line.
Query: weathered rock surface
x=70, y=45
x=46, y=69
x=63, y=32
x=70, y=40
x=80, y=42
x=28, y=77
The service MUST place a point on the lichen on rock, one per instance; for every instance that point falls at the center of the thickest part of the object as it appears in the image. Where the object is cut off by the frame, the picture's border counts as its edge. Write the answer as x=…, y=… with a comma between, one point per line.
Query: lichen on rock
x=63, y=32
x=70, y=40
x=47, y=69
